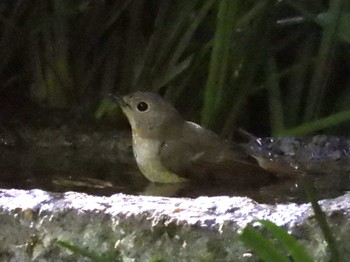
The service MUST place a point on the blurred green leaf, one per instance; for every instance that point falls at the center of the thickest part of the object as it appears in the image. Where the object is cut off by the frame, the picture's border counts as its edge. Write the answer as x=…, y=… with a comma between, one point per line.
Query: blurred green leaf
x=326, y=18
x=275, y=98
x=296, y=251
x=171, y=74
x=71, y=53
x=320, y=77
x=317, y=125
x=270, y=251
x=220, y=59
x=104, y=108
x=321, y=219
x=262, y=246
x=115, y=257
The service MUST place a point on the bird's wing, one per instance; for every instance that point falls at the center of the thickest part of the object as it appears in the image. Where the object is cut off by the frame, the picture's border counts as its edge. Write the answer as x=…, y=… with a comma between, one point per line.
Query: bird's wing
x=201, y=155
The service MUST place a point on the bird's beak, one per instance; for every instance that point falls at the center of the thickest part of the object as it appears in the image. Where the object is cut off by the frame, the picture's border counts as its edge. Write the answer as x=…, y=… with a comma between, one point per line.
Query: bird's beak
x=119, y=100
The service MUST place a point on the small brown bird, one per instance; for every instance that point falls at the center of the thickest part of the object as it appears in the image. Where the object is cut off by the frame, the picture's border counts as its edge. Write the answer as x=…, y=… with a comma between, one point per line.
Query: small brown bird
x=169, y=149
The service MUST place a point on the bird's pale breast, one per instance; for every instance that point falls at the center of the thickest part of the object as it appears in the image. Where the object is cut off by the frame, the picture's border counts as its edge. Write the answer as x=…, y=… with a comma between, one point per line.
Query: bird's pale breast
x=146, y=153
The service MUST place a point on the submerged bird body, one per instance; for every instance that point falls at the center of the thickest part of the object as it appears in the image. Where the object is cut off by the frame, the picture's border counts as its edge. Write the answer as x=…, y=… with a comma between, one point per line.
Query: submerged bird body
x=169, y=149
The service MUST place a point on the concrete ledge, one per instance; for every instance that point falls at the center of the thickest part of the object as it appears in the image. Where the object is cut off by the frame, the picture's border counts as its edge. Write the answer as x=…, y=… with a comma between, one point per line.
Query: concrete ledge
x=142, y=228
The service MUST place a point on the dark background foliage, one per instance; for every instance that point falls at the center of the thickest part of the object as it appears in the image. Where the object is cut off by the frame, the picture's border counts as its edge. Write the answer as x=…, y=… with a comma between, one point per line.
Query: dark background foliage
x=271, y=67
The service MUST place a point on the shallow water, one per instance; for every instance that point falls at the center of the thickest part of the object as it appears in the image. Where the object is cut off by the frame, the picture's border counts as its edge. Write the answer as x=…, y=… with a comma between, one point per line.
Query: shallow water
x=105, y=172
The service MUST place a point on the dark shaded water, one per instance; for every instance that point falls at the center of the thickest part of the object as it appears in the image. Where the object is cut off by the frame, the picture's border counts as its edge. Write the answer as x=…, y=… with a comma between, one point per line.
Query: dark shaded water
x=103, y=168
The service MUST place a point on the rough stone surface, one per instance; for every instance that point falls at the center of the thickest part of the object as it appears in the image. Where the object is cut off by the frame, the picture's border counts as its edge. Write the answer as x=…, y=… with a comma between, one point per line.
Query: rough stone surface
x=144, y=228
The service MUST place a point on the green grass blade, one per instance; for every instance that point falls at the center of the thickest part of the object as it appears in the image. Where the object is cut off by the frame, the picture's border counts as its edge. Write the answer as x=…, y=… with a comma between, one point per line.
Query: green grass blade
x=171, y=34
x=115, y=257
x=298, y=75
x=317, y=125
x=76, y=250
x=322, y=222
x=171, y=74
x=262, y=246
x=324, y=19
x=185, y=40
x=105, y=108
x=218, y=69
x=293, y=247
x=186, y=81
x=325, y=52
x=275, y=98
x=142, y=77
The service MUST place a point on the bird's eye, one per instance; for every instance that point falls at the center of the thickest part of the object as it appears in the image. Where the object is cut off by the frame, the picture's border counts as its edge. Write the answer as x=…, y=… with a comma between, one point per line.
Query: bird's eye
x=142, y=106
